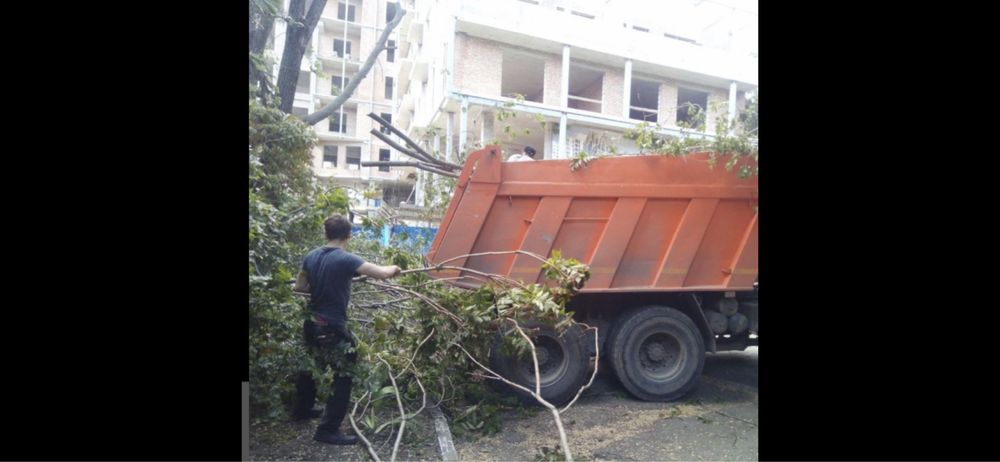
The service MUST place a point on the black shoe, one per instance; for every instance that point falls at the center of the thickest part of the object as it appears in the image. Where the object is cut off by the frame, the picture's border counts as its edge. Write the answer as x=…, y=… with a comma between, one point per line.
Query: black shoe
x=339, y=438
x=310, y=414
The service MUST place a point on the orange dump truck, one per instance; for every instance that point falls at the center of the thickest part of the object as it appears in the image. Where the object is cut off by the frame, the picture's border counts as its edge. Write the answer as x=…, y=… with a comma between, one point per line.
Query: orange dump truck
x=672, y=248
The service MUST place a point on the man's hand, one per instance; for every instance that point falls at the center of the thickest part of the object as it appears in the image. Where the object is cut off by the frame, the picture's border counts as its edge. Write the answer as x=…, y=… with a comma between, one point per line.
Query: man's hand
x=379, y=272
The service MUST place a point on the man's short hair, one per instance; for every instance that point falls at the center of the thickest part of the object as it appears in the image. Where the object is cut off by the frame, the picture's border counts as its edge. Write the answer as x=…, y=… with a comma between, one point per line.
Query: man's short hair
x=337, y=228
x=530, y=151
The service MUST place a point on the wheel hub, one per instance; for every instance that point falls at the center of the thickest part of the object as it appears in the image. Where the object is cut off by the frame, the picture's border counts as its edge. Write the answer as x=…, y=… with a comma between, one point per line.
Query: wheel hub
x=656, y=352
x=659, y=356
x=551, y=361
x=543, y=356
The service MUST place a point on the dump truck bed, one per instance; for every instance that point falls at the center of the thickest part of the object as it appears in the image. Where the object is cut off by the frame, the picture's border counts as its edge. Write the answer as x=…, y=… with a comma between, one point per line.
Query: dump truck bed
x=642, y=223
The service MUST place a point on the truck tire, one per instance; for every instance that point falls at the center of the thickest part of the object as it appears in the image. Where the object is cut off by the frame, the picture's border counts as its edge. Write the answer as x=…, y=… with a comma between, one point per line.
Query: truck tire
x=728, y=306
x=657, y=353
x=738, y=323
x=717, y=321
x=563, y=365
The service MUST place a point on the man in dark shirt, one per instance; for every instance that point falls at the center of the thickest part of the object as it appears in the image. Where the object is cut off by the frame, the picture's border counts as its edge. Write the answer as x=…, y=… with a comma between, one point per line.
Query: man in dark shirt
x=326, y=275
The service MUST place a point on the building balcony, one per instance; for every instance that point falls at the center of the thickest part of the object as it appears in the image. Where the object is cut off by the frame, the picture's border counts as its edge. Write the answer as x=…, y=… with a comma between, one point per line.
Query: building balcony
x=412, y=23
x=332, y=24
x=333, y=62
x=411, y=69
x=341, y=137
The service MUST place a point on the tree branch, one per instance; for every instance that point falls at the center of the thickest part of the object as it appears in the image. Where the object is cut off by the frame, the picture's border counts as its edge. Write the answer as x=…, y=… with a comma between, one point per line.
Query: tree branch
x=535, y=394
x=357, y=431
x=597, y=361
x=326, y=111
x=421, y=165
x=402, y=411
x=413, y=144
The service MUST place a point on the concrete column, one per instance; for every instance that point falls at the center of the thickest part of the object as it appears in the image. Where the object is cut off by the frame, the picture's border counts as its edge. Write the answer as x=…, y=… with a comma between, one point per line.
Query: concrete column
x=564, y=89
x=436, y=146
x=627, y=88
x=451, y=55
x=343, y=75
x=419, y=193
x=463, y=125
x=486, y=127
x=561, y=153
x=449, y=137
x=732, y=105
x=548, y=151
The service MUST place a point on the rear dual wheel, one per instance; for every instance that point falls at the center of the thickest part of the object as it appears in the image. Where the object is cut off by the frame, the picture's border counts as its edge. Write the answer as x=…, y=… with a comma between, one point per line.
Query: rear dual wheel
x=657, y=352
x=563, y=362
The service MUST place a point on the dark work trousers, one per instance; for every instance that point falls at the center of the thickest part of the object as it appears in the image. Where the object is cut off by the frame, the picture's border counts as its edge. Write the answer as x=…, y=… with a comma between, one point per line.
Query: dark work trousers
x=330, y=353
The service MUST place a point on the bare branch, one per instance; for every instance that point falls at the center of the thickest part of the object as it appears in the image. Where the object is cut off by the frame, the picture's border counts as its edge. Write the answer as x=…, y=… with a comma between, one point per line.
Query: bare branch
x=357, y=431
x=421, y=297
x=421, y=165
x=408, y=152
x=414, y=356
x=597, y=361
x=416, y=147
x=538, y=394
x=505, y=252
x=402, y=411
x=534, y=358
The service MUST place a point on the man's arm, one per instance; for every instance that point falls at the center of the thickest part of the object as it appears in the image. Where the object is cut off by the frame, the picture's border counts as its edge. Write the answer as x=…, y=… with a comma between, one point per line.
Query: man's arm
x=301, y=284
x=378, y=272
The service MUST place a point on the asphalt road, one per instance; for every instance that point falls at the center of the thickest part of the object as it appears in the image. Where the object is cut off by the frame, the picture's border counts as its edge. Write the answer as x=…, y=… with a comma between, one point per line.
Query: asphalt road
x=716, y=421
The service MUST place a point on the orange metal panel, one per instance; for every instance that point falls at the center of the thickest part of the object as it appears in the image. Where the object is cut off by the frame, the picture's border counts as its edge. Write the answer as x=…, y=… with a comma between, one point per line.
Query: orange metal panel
x=653, y=235
x=460, y=185
x=473, y=209
x=578, y=239
x=722, y=241
x=504, y=229
x=643, y=223
x=743, y=270
x=540, y=236
x=631, y=190
x=684, y=244
x=596, y=209
x=613, y=241
x=581, y=229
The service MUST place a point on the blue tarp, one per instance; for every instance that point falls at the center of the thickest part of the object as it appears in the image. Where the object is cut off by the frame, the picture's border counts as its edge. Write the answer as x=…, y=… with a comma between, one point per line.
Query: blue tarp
x=401, y=235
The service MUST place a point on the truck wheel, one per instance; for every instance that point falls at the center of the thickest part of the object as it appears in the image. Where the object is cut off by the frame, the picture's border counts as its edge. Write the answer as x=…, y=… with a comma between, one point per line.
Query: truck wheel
x=562, y=364
x=657, y=353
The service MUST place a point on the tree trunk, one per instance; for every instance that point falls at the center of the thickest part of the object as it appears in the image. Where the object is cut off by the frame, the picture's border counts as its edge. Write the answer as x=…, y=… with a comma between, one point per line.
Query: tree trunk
x=261, y=25
x=297, y=37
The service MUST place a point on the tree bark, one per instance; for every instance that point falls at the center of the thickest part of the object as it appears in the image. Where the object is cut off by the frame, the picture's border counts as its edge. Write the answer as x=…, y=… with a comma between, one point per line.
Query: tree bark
x=329, y=109
x=301, y=24
x=262, y=17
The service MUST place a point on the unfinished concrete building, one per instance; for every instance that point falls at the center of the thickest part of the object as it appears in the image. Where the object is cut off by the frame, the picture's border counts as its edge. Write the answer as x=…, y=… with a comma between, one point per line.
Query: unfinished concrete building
x=342, y=40
x=553, y=75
